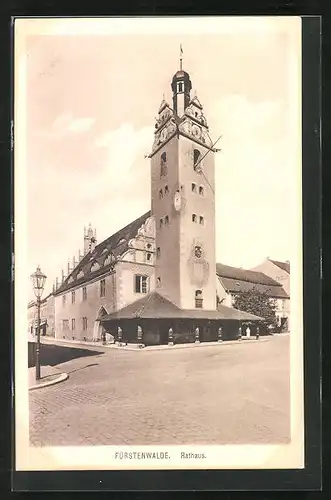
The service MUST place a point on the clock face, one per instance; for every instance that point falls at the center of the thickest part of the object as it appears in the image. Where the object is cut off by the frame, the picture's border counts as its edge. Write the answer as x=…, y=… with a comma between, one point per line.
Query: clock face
x=196, y=132
x=177, y=201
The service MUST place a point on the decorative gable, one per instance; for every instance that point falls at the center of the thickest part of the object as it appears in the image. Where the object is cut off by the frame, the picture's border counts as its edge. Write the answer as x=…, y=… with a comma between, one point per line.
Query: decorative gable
x=80, y=274
x=95, y=267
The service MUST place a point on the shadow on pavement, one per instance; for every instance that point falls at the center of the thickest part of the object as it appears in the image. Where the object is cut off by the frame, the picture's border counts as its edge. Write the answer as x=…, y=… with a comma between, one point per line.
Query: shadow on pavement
x=55, y=354
x=82, y=368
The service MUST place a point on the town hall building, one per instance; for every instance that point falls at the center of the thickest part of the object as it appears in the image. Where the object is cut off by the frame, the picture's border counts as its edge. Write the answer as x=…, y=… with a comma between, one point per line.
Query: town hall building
x=157, y=280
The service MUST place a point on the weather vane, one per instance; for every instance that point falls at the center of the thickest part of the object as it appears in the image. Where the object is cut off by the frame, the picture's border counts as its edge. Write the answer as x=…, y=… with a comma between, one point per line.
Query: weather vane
x=181, y=57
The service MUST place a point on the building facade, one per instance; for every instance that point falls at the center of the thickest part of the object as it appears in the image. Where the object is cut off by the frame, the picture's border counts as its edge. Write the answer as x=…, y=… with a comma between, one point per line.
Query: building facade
x=156, y=276
x=47, y=316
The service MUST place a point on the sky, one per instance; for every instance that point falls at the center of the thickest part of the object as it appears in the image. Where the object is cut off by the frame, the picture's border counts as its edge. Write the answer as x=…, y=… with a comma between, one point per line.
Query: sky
x=92, y=96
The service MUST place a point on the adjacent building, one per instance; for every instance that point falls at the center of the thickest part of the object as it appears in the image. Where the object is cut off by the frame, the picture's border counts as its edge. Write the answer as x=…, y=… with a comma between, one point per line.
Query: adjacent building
x=279, y=272
x=47, y=316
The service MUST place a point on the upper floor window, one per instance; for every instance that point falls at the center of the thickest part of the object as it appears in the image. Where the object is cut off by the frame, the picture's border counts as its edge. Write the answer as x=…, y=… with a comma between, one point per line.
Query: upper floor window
x=73, y=297
x=201, y=190
x=166, y=219
x=166, y=190
x=161, y=222
x=198, y=299
x=141, y=283
x=194, y=218
x=196, y=159
x=84, y=293
x=103, y=288
x=73, y=324
x=160, y=194
x=158, y=282
x=201, y=220
x=194, y=187
x=84, y=323
x=158, y=252
x=64, y=300
x=283, y=304
x=164, y=168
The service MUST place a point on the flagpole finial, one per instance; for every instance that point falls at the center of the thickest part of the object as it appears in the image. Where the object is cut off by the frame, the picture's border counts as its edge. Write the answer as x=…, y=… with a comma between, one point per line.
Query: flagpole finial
x=181, y=57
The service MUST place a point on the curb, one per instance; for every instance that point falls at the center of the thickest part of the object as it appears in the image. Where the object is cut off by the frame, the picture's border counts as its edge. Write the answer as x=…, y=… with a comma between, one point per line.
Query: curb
x=156, y=347
x=60, y=378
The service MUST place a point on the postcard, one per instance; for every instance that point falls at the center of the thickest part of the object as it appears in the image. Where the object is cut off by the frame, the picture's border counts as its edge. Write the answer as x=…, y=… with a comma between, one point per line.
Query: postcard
x=158, y=243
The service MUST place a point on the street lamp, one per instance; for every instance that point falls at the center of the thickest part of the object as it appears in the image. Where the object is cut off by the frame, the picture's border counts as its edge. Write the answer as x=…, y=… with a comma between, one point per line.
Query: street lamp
x=38, y=282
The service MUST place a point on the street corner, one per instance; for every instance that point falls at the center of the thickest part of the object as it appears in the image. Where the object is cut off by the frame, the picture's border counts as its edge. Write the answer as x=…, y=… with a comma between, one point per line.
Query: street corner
x=49, y=376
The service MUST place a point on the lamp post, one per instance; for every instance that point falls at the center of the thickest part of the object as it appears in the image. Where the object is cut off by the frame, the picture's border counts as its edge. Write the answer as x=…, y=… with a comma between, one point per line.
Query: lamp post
x=38, y=282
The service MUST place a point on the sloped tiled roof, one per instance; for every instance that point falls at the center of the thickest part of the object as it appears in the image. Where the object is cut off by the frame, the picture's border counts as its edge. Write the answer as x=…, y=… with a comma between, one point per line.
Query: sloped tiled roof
x=285, y=266
x=154, y=306
x=236, y=279
x=116, y=245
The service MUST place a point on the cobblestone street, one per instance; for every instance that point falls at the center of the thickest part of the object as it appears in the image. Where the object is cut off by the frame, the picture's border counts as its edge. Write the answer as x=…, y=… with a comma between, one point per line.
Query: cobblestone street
x=228, y=393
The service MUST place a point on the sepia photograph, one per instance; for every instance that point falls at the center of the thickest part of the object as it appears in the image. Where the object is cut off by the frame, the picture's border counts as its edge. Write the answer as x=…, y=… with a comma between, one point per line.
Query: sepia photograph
x=158, y=243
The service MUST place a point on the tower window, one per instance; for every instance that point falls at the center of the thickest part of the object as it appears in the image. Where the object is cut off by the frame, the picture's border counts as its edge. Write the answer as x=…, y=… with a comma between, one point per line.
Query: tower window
x=160, y=194
x=149, y=246
x=201, y=190
x=194, y=187
x=141, y=283
x=194, y=218
x=161, y=222
x=196, y=159
x=166, y=219
x=73, y=297
x=180, y=87
x=198, y=299
x=84, y=293
x=158, y=252
x=201, y=220
x=166, y=190
x=158, y=282
x=164, y=168
x=64, y=299
x=103, y=288
x=148, y=257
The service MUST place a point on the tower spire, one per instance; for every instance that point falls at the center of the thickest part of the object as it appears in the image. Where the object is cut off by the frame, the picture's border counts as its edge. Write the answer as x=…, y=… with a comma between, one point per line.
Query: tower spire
x=180, y=57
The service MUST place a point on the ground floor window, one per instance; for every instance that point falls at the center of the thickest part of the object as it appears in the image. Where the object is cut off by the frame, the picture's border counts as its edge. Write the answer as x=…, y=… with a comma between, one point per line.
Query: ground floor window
x=65, y=324
x=84, y=323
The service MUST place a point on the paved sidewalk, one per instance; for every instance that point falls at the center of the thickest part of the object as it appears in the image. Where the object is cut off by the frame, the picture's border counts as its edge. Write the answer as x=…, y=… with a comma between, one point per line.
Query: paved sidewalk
x=140, y=348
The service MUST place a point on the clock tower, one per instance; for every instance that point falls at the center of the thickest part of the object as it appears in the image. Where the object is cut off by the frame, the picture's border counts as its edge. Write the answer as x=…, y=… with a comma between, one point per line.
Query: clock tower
x=183, y=200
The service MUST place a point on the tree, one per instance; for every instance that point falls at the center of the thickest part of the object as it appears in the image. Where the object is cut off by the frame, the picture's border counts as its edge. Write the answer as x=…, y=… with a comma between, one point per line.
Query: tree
x=259, y=303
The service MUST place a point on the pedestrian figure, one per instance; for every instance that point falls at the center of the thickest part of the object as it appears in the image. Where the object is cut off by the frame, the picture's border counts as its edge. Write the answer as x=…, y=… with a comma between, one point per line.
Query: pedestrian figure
x=257, y=333
x=119, y=335
x=171, y=336
x=248, y=332
x=240, y=333
x=139, y=334
x=220, y=334
x=197, y=335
